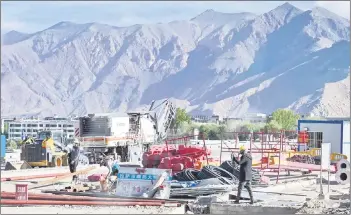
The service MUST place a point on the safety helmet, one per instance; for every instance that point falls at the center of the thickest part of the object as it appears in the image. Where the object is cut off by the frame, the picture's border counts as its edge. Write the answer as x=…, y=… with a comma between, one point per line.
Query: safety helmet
x=242, y=149
x=75, y=141
x=115, y=168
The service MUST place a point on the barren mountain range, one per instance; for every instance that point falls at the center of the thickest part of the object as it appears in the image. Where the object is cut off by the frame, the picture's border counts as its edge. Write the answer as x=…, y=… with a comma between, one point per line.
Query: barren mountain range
x=215, y=63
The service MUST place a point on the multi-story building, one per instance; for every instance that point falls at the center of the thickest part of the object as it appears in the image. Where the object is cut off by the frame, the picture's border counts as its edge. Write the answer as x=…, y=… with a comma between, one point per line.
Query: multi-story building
x=255, y=118
x=23, y=127
x=206, y=119
x=4, y=124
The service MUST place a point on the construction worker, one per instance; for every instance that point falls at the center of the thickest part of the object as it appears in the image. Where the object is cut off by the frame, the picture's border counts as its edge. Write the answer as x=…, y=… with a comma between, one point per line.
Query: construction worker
x=113, y=169
x=73, y=157
x=245, y=175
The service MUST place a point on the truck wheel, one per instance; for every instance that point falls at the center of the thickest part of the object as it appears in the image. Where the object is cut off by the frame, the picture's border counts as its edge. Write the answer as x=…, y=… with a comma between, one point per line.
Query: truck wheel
x=56, y=161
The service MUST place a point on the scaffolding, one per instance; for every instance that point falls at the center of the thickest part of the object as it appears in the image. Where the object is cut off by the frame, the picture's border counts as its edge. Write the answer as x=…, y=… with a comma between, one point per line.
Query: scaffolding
x=263, y=146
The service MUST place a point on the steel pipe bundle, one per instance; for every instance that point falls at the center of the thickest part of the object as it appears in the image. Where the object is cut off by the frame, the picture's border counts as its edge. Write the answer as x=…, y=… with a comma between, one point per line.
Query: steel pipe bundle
x=199, y=191
x=88, y=203
x=36, y=196
x=26, y=177
x=45, y=199
x=232, y=168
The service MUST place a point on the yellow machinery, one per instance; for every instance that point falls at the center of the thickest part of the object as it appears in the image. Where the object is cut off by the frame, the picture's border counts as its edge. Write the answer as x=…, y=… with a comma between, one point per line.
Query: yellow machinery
x=43, y=152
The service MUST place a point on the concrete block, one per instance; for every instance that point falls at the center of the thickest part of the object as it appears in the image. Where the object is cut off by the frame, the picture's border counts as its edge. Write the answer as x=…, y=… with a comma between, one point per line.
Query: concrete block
x=217, y=208
x=206, y=200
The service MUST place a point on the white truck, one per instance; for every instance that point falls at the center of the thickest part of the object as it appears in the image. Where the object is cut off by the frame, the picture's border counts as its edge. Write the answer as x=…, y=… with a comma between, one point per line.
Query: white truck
x=124, y=135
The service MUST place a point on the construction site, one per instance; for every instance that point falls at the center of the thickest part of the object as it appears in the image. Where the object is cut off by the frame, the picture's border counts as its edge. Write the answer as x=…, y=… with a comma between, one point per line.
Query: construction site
x=306, y=171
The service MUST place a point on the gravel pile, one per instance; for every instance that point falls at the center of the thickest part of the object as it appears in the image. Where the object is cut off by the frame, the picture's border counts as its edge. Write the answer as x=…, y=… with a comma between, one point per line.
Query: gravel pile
x=316, y=206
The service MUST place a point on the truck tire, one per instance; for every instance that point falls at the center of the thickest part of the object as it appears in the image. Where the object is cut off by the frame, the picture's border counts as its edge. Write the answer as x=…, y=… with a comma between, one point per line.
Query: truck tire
x=56, y=161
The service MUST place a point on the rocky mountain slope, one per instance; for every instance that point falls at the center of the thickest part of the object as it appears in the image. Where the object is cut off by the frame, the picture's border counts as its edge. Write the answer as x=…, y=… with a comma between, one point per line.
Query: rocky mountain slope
x=227, y=64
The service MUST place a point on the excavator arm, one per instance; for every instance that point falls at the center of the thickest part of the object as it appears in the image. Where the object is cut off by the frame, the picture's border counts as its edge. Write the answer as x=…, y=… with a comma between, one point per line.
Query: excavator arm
x=162, y=116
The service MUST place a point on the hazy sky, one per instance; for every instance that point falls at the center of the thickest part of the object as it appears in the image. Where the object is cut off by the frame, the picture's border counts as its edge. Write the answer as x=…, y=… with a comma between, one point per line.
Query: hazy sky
x=33, y=16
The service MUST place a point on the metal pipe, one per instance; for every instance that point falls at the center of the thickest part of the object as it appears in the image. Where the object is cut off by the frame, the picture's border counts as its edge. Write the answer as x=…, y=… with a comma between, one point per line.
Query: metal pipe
x=46, y=202
x=58, y=195
x=104, y=195
x=35, y=196
x=26, y=177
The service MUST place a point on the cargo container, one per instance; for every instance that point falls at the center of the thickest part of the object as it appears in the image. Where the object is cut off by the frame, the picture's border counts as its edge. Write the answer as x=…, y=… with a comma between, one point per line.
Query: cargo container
x=335, y=132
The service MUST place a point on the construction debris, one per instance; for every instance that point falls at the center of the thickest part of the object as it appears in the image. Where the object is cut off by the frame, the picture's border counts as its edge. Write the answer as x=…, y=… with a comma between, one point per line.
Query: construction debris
x=204, y=185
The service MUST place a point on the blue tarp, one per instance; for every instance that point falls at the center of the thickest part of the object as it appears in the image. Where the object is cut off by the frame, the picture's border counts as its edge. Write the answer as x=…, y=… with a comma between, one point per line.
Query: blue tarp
x=3, y=146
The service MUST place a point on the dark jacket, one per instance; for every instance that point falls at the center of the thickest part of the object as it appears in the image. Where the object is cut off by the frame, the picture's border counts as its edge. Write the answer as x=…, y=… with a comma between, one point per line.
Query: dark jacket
x=245, y=167
x=73, y=154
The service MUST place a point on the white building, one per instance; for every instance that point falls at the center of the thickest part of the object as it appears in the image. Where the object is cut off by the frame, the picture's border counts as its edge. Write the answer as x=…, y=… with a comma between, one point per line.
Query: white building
x=25, y=127
x=206, y=119
x=255, y=118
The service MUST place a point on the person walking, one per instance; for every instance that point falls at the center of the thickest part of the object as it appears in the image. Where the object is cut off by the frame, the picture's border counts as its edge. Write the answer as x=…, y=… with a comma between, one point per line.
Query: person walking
x=245, y=175
x=73, y=157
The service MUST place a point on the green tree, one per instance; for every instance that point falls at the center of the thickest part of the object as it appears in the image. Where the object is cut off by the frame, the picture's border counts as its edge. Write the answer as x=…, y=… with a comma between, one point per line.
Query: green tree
x=181, y=117
x=272, y=126
x=252, y=127
x=204, y=130
x=6, y=126
x=287, y=119
x=11, y=144
x=212, y=131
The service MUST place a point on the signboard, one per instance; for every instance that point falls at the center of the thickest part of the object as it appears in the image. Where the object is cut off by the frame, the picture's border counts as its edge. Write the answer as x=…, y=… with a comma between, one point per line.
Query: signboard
x=21, y=192
x=134, y=182
x=325, y=155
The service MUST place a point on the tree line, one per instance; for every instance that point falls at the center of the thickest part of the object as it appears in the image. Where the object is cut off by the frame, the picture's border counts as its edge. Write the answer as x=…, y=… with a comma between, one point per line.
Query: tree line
x=280, y=119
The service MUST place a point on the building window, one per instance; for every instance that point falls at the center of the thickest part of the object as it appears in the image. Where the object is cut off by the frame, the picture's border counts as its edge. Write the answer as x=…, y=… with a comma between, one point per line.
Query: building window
x=53, y=126
x=60, y=126
x=29, y=125
x=34, y=125
x=40, y=125
x=29, y=130
x=70, y=130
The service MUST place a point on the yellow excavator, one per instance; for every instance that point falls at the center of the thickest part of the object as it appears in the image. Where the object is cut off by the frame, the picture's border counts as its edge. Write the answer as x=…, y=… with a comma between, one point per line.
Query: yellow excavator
x=45, y=151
